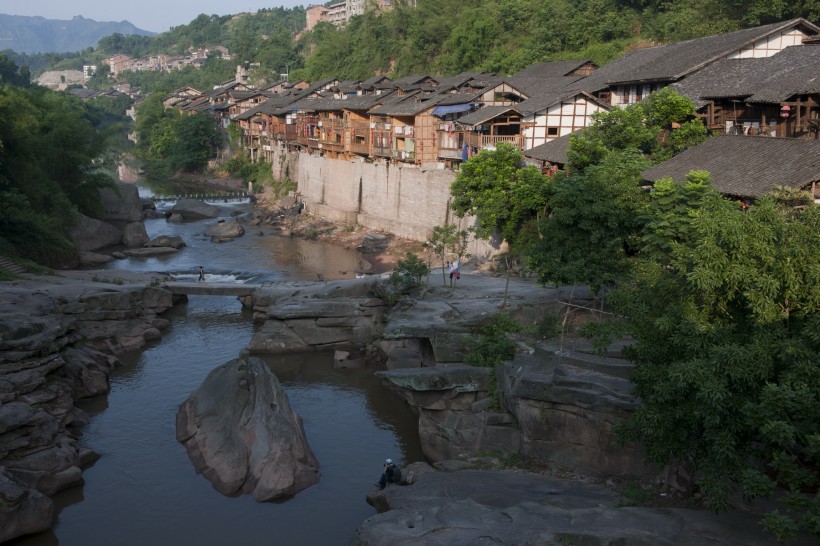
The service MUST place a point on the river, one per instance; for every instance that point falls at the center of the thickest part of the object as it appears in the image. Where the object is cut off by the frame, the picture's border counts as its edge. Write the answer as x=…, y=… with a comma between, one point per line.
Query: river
x=143, y=489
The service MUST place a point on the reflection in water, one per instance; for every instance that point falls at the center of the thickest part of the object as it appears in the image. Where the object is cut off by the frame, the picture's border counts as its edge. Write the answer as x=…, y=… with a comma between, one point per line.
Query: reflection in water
x=143, y=490
x=262, y=254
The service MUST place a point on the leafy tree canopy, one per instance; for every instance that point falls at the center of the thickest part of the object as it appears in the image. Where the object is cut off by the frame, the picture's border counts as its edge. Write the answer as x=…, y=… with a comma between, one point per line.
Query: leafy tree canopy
x=726, y=343
x=52, y=155
x=640, y=127
x=500, y=192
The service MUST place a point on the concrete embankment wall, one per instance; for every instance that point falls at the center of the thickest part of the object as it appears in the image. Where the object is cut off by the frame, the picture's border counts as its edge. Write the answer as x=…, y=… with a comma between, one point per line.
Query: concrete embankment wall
x=405, y=200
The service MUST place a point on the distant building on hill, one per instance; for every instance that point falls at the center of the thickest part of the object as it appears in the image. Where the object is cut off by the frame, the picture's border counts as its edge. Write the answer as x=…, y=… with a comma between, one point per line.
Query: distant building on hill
x=340, y=12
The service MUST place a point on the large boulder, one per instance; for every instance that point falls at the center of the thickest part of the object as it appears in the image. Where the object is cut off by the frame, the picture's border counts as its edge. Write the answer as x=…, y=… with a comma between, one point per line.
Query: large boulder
x=173, y=241
x=90, y=234
x=224, y=231
x=193, y=209
x=242, y=435
x=122, y=204
x=134, y=235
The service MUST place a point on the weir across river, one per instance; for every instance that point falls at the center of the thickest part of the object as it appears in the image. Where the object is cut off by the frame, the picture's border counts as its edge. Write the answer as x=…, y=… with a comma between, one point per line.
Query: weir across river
x=211, y=288
x=214, y=198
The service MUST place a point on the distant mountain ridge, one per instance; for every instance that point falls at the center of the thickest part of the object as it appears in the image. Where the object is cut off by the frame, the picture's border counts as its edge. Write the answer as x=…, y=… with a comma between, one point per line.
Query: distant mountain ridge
x=25, y=34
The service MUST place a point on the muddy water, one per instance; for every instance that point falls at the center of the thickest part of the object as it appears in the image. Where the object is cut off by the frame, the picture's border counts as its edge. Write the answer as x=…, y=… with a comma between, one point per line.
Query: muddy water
x=143, y=490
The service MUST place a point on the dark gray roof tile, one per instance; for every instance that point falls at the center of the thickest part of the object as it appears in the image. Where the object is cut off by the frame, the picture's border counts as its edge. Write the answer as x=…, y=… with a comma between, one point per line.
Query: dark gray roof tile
x=746, y=166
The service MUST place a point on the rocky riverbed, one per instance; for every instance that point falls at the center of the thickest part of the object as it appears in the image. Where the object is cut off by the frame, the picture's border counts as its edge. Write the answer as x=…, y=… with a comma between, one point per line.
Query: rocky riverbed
x=551, y=410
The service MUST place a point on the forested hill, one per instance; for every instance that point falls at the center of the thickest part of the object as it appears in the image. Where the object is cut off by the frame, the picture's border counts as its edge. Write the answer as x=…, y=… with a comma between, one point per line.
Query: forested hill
x=40, y=35
x=439, y=37
x=445, y=37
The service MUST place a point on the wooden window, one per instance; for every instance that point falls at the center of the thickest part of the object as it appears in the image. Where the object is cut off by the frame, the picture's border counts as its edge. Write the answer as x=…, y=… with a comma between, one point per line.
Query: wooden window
x=552, y=131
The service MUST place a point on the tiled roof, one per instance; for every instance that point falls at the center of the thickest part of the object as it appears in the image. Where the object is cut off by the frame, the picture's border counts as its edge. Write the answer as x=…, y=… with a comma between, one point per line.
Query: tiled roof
x=554, y=151
x=407, y=105
x=672, y=62
x=459, y=98
x=552, y=69
x=793, y=71
x=746, y=166
x=359, y=102
x=411, y=80
x=484, y=114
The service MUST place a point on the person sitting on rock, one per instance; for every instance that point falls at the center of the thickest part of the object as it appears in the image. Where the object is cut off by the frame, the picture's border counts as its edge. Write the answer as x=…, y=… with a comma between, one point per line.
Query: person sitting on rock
x=391, y=474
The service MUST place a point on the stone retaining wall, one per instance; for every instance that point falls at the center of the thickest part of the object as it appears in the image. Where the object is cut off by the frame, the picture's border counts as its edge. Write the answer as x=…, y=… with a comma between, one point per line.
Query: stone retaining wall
x=403, y=199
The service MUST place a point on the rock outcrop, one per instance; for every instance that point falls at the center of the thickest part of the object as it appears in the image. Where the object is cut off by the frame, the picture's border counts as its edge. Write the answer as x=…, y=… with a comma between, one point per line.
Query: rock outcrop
x=567, y=404
x=468, y=507
x=59, y=337
x=243, y=436
x=306, y=317
x=453, y=403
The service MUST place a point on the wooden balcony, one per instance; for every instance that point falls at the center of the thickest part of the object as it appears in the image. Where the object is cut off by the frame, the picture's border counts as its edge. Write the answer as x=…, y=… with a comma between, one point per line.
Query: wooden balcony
x=285, y=132
x=379, y=151
x=359, y=144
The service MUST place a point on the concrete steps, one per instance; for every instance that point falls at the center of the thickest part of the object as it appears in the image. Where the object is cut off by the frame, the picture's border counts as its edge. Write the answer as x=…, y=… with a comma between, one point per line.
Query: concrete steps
x=12, y=267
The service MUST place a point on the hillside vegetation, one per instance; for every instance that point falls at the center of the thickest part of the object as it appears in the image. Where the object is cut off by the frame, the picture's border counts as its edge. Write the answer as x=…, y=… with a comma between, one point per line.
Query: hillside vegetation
x=440, y=37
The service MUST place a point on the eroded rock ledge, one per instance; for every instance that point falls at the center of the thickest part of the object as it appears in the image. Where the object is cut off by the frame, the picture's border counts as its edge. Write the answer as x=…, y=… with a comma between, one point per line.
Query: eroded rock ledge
x=468, y=507
x=59, y=340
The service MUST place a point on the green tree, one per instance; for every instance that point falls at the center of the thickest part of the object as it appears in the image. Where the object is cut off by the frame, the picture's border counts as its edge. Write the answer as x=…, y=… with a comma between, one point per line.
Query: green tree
x=52, y=160
x=505, y=197
x=593, y=228
x=640, y=127
x=195, y=142
x=726, y=349
x=448, y=239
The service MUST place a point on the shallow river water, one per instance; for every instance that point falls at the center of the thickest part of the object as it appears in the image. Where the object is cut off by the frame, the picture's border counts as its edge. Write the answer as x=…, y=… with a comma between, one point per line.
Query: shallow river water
x=143, y=490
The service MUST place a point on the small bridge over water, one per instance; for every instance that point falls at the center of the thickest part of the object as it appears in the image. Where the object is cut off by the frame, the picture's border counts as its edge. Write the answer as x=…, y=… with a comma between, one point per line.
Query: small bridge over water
x=211, y=288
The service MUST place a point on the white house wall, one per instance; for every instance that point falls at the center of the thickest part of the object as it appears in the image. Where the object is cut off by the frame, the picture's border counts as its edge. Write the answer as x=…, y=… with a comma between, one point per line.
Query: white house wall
x=558, y=120
x=766, y=47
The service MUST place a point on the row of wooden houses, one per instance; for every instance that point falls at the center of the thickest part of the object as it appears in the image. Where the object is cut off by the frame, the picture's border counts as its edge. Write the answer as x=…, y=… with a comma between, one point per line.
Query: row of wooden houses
x=763, y=81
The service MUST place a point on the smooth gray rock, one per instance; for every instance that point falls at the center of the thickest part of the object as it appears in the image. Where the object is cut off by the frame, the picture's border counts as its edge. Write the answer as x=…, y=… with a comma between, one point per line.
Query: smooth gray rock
x=88, y=259
x=90, y=234
x=134, y=235
x=123, y=204
x=193, y=209
x=471, y=507
x=174, y=241
x=242, y=435
x=223, y=231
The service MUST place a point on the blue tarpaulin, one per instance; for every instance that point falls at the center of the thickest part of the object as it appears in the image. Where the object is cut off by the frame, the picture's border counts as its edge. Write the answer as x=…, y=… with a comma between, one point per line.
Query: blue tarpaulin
x=451, y=109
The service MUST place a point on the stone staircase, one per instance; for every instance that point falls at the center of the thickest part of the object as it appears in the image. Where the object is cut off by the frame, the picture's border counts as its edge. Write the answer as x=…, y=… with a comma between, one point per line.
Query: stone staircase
x=12, y=267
